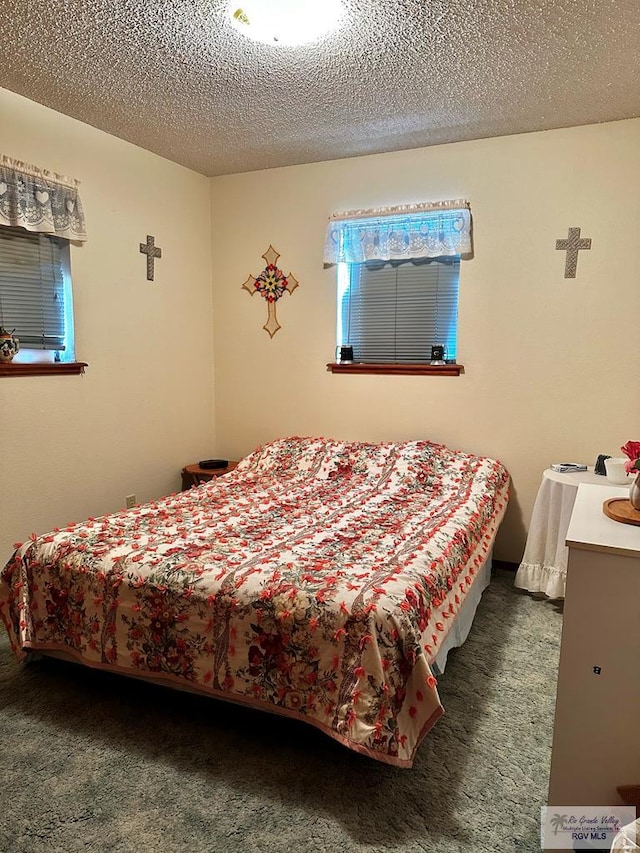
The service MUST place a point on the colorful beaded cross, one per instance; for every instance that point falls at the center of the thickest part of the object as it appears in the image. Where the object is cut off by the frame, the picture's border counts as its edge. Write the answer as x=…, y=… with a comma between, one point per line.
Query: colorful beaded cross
x=271, y=284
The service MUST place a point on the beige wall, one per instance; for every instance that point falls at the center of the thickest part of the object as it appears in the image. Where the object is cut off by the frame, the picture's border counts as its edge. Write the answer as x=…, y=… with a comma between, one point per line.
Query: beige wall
x=551, y=364
x=74, y=446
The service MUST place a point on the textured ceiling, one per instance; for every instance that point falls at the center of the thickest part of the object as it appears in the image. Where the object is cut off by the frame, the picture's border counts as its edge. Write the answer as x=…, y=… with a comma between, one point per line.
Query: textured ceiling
x=174, y=77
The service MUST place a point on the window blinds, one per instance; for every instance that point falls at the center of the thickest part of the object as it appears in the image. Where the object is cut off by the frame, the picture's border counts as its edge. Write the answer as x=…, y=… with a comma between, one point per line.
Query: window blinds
x=32, y=288
x=395, y=312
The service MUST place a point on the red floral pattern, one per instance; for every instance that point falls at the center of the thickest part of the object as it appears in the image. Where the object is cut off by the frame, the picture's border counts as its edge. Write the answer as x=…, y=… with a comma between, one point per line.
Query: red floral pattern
x=318, y=579
x=271, y=283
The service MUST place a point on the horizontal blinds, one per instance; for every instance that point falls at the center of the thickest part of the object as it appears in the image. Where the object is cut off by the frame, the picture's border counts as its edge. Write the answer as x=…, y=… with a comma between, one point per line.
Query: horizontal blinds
x=395, y=312
x=32, y=288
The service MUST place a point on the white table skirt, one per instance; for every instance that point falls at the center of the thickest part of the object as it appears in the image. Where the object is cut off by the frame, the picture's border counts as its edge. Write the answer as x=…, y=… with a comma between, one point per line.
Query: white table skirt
x=544, y=564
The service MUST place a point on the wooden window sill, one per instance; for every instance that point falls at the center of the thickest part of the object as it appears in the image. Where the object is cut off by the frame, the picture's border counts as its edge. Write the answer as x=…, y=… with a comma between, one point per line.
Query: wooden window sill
x=398, y=369
x=42, y=368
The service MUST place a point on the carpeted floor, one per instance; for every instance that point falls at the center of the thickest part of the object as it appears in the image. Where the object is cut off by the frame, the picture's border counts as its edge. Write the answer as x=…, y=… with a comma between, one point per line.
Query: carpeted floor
x=96, y=762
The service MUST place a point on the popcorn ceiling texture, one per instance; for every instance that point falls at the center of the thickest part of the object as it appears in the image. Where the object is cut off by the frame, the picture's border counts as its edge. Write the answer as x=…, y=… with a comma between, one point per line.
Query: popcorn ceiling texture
x=174, y=77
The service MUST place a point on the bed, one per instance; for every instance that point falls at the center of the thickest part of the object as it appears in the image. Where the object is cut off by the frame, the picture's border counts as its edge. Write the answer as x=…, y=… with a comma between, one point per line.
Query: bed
x=323, y=580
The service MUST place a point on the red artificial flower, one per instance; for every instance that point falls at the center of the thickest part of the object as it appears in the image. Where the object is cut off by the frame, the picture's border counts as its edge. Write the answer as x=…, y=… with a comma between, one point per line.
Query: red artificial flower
x=631, y=449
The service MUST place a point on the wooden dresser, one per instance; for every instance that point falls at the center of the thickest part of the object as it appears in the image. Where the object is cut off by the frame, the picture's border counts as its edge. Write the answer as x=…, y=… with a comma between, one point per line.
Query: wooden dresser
x=596, y=737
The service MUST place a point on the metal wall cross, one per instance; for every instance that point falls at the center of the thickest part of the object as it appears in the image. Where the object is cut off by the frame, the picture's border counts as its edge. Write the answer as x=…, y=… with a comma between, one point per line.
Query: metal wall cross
x=572, y=246
x=152, y=252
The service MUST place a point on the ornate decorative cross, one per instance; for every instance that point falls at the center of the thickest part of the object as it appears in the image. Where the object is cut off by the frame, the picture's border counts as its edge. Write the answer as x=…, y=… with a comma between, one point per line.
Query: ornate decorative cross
x=271, y=284
x=571, y=246
x=152, y=252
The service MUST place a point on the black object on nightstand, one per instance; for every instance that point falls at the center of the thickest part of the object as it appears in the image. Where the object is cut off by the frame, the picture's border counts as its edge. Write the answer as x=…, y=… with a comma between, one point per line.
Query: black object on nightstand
x=213, y=463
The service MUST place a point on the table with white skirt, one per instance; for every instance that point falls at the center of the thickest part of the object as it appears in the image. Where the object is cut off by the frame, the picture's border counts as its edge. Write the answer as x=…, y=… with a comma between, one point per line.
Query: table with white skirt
x=544, y=564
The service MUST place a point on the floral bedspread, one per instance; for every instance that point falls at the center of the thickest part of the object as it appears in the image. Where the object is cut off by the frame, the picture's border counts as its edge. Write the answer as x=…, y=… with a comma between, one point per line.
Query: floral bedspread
x=316, y=580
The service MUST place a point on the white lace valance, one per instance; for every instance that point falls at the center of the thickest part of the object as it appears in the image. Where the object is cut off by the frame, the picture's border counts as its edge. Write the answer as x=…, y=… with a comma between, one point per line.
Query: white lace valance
x=430, y=230
x=41, y=201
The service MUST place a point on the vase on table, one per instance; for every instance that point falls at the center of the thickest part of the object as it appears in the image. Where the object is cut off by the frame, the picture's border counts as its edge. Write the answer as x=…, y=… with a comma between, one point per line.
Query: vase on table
x=634, y=492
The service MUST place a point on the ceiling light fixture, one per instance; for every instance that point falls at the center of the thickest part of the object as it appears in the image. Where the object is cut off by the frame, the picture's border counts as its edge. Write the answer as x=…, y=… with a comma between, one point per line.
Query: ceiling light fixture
x=285, y=22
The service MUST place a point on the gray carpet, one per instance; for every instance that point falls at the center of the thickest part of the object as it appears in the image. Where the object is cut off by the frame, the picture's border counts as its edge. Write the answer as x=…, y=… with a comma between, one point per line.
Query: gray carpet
x=96, y=762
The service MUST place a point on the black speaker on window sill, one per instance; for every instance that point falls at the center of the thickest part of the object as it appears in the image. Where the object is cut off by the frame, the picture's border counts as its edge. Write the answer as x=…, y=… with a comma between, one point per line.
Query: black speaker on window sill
x=344, y=355
x=437, y=355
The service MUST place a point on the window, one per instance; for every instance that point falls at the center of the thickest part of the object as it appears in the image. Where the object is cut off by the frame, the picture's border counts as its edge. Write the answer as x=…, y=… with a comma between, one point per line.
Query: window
x=35, y=294
x=40, y=212
x=395, y=311
x=398, y=271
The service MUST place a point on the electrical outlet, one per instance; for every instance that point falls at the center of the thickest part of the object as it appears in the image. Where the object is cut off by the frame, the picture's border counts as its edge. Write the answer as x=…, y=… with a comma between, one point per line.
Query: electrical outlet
x=130, y=501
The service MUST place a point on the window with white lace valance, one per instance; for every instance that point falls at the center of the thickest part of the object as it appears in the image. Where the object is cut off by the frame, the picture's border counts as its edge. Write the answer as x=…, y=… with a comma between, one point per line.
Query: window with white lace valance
x=429, y=230
x=40, y=215
x=40, y=201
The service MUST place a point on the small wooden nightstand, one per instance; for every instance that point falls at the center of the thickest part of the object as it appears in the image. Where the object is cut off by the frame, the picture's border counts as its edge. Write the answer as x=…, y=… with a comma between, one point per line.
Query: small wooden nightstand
x=193, y=475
